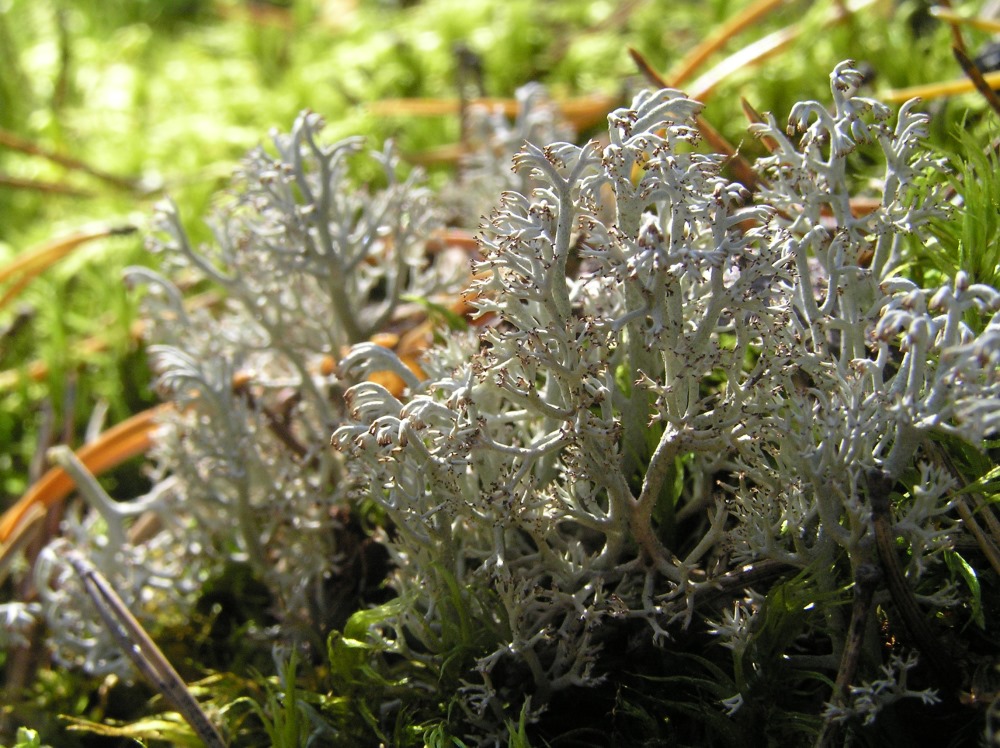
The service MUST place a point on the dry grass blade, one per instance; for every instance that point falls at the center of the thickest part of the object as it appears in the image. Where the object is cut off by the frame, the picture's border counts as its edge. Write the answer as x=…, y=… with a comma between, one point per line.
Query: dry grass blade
x=984, y=541
x=718, y=38
x=749, y=56
x=441, y=156
x=262, y=15
x=128, y=439
x=971, y=70
x=937, y=90
x=949, y=16
x=30, y=264
x=761, y=50
x=648, y=70
x=142, y=650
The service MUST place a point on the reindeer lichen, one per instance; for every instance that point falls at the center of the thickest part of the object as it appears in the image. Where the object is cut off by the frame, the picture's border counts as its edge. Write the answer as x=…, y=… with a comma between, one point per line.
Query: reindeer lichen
x=760, y=346
x=683, y=392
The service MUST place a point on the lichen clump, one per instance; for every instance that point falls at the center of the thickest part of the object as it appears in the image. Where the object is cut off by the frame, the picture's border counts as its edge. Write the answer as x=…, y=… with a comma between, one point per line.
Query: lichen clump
x=683, y=391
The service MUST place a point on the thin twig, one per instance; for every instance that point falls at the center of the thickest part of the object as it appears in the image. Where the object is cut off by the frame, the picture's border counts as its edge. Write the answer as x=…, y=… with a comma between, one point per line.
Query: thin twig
x=734, y=582
x=914, y=622
x=987, y=542
x=867, y=578
x=142, y=650
x=764, y=48
x=53, y=188
x=956, y=32
x=755, y=118
x=17, y=143
x=275, y=423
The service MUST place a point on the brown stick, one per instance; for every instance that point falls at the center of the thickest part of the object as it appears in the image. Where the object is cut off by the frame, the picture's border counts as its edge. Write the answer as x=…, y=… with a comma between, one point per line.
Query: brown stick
x=135, y=642
x=733, y=582
x=976, y=77
x=17, y=143
x=53, y=188
x=914, y=622
x=867, y=578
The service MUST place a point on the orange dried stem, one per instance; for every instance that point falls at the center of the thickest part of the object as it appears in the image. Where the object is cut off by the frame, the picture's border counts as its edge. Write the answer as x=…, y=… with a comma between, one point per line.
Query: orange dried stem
x=26, y=530
x=33, y=262
x=45, y=254
x=453, y=238
x=130, y=438
x=439, y=156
